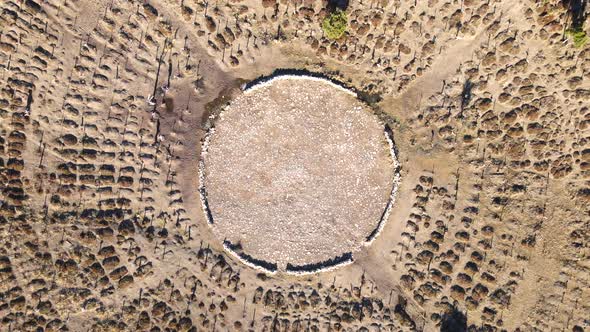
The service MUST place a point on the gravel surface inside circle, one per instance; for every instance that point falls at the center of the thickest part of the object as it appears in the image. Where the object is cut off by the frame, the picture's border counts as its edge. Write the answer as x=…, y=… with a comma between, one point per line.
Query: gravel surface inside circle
x=297, y=171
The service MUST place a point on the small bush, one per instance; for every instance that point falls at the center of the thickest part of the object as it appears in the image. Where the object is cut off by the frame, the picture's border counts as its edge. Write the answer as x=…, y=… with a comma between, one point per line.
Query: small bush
x=334, y=24
x=579, y=36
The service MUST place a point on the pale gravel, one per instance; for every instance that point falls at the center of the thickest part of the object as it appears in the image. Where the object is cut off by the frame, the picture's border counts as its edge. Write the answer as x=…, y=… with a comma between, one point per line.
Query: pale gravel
x=297, y=171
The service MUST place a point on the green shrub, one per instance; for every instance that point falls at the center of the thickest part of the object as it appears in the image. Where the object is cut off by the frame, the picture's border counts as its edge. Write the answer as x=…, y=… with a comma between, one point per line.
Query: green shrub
x=579, y=36
x=334, y=24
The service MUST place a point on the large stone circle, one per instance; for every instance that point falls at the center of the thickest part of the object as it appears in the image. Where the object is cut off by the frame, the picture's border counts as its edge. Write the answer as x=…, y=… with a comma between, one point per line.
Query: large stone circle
x=297, y=174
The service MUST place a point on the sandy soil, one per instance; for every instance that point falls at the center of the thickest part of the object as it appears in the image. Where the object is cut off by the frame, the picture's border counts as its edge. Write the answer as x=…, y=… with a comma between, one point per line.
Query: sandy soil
x=104, y=106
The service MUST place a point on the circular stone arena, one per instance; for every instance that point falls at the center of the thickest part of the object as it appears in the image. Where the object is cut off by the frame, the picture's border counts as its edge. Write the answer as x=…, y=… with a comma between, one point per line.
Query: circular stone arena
x=297, y=175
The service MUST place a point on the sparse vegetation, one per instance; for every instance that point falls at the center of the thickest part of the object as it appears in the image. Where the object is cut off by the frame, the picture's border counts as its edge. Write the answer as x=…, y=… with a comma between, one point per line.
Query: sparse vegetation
x=105, y=104
x=334, y=25
x=578, y=35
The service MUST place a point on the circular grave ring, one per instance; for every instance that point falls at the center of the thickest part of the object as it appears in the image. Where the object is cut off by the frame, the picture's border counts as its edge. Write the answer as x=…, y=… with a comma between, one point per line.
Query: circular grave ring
x=267, y=149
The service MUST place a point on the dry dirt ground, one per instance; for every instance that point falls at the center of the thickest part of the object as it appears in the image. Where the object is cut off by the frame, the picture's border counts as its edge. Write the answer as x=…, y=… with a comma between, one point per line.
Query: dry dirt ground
x=103, y=106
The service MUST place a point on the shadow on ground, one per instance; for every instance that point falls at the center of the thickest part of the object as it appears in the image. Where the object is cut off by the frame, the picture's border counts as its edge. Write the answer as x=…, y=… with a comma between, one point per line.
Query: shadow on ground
x=454, y=321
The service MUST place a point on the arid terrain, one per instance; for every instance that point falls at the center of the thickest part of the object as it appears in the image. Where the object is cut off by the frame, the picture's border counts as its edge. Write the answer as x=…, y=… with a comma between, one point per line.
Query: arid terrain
x=105, y=104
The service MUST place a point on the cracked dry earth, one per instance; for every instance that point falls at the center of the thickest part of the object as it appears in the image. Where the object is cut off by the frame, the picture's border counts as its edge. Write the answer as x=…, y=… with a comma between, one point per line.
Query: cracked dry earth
x=297, y=171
